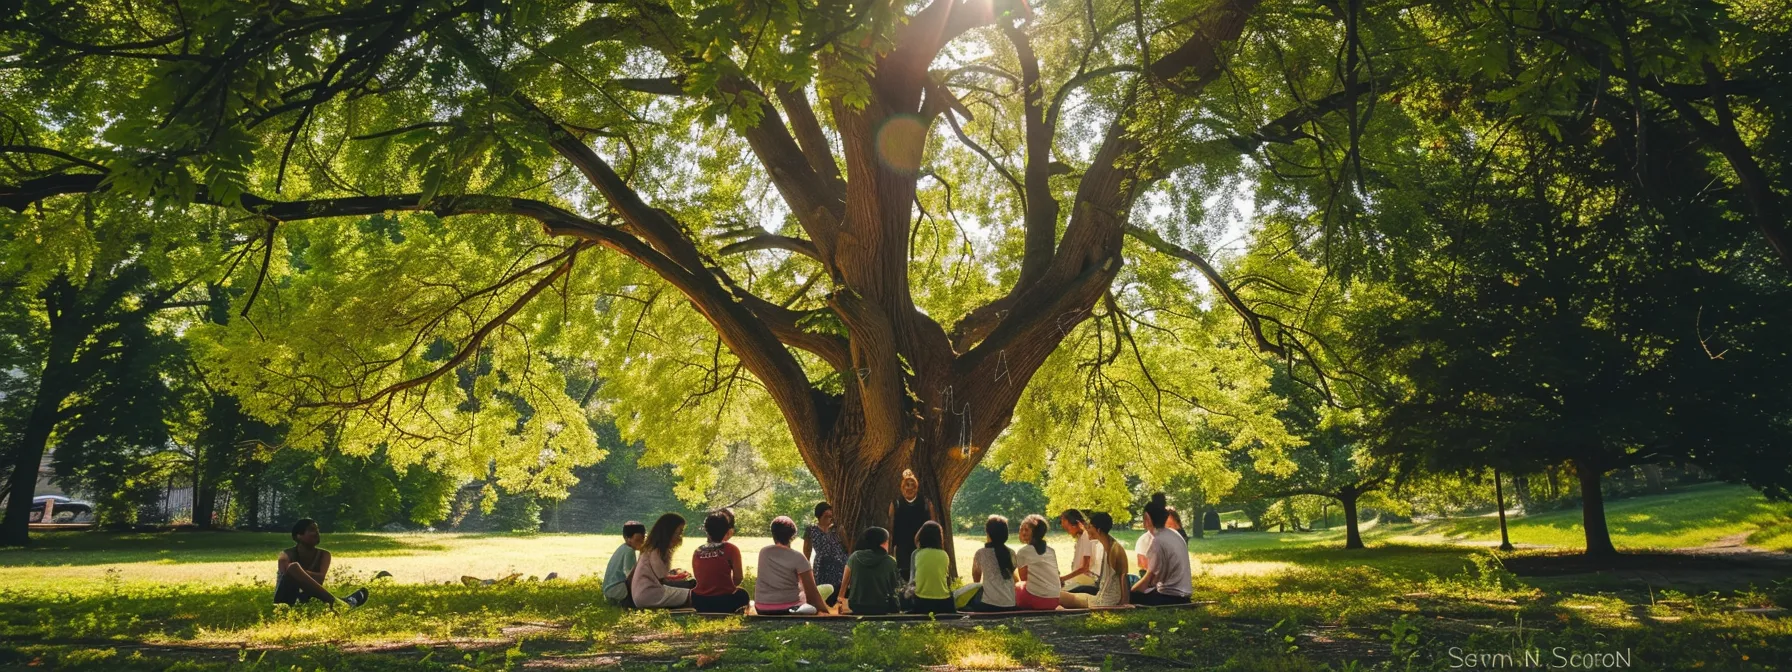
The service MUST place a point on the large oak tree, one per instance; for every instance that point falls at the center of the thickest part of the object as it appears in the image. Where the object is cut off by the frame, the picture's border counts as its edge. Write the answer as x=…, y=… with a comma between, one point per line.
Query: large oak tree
x=477, y=116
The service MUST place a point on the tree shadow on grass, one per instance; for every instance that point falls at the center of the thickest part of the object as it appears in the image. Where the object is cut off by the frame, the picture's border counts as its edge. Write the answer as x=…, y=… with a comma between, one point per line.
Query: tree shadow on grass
x=244, y=615
x=54, y=549
x=1400, y=561
x=1704, y=509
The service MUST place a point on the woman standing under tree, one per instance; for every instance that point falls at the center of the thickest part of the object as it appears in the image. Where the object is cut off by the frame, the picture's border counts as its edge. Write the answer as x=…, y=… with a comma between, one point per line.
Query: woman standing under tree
x=907, y=515
x=823, y=547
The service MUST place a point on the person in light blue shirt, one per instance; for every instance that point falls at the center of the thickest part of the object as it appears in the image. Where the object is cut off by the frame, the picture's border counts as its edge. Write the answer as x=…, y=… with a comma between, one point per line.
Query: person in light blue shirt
x=622, y=564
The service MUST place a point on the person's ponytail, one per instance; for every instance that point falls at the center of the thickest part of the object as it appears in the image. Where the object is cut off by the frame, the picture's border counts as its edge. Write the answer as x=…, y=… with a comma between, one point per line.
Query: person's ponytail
x=1036, y=528
x=1158, y=510
x=996, y=528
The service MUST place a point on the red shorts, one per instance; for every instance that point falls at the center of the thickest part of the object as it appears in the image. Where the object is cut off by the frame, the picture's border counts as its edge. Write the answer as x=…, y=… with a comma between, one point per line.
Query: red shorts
x=1029, y=601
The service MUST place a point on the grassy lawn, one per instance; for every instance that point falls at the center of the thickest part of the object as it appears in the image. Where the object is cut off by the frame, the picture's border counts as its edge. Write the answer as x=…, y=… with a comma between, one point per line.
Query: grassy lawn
x=1684, y=518
x=199, y=601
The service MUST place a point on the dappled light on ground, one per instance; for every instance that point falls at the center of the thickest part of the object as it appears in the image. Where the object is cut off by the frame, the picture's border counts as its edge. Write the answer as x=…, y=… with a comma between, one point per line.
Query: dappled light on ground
x=1688, y=517
x=1293, y=601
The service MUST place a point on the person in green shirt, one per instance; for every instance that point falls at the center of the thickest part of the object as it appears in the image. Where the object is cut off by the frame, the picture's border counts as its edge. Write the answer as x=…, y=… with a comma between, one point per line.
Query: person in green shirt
x=930, y=565
x=622, y=564
x=871, y=573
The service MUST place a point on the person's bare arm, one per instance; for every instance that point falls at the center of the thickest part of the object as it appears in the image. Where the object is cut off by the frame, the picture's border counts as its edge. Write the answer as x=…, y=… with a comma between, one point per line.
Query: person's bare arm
x=323, y=567
x=1146, y=581
x=976, y=571
x=736, y=572
x=845, y=580
x=1020, y=573
x=292, y=571
x=813, y=594
x=1081, y=569
x=807, y=552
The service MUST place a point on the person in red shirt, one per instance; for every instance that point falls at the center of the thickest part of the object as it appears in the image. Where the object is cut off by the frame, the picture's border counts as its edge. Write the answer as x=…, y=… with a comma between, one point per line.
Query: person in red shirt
x=718, y=568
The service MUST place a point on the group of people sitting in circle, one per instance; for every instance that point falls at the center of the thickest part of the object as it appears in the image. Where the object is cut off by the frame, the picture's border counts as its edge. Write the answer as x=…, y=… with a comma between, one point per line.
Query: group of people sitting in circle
x=904, y=570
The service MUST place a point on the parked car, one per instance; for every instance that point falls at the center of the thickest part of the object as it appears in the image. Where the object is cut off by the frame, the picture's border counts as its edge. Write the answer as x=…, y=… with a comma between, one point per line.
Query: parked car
x=62, y=510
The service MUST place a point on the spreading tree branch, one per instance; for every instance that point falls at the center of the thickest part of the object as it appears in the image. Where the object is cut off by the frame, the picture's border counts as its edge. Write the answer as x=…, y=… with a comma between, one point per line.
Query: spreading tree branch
x=1252, y=321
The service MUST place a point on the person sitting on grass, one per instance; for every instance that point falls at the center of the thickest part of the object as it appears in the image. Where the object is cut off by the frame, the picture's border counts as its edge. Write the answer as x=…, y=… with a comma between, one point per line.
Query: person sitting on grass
x=648, y=585
x=871, y=575
x=992, y=570
x=302, y=569
x=786, y=581
x=1113, y=587
x=1144, y=540
x=719, y=569
x=929, y=565
x=622, y=564
x=1166, y=579
x=1085, y=567
x=1037, y=564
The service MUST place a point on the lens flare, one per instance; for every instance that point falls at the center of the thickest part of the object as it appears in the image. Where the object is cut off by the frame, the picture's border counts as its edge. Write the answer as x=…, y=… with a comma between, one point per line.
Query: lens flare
x=900, y=142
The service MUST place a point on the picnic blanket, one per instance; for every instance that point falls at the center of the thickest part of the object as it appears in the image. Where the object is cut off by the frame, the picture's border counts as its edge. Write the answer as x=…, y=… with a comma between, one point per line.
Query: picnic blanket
x=956, y=616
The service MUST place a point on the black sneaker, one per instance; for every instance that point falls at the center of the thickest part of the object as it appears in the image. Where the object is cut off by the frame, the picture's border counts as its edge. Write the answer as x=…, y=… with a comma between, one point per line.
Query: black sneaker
x=356, y=599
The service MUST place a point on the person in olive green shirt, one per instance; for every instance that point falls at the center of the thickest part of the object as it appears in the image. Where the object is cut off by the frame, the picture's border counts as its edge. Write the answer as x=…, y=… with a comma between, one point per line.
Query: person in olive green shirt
x=871, y=574
x=930, y=565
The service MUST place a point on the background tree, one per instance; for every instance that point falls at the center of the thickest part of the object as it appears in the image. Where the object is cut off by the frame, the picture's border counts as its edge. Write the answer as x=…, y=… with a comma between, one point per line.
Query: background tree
x=91, y=351
x=1565, y=311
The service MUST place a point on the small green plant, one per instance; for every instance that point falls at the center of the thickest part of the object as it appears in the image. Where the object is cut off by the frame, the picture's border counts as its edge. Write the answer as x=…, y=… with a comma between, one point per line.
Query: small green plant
x=1285, y=632
x=1402, y=637
x=1491, y=572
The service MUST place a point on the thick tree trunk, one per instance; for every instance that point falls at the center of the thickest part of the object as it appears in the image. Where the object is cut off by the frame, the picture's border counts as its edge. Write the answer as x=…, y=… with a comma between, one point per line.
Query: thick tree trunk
x=205, y=498
x=53, y=386
x=1592, y=508
x=247, y=492
x=28, y=454
x=861, y=494
x=1353, y=535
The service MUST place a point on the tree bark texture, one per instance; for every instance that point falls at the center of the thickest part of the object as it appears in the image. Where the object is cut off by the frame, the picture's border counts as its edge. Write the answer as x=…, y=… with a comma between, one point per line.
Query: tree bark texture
x=60, y=301
x=1592, y=508
x=1353, y=535
x=1499, y=496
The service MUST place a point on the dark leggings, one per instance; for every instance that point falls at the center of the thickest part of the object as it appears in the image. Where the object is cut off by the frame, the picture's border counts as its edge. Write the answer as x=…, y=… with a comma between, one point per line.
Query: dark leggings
x=720, y=604
x=922, y=605
x=1154, y=598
